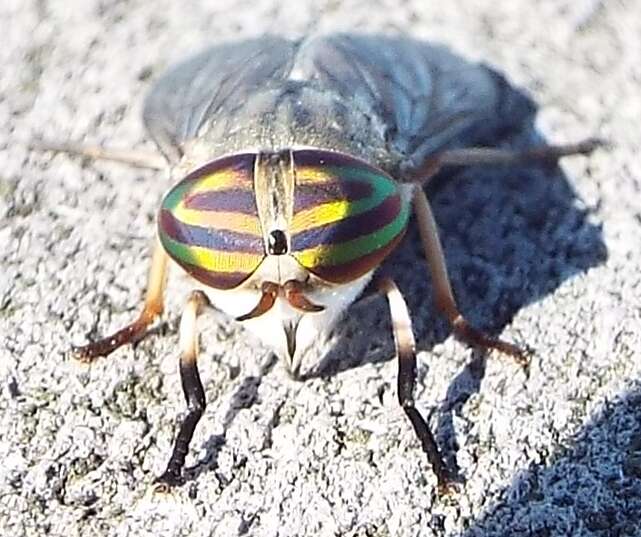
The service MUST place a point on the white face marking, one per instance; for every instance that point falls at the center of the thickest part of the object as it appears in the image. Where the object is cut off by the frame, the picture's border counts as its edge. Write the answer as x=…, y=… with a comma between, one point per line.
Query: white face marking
x=270, y=326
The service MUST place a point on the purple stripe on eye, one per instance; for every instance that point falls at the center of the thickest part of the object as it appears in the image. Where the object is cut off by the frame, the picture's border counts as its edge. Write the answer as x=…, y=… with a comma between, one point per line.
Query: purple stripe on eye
x=311, y=195
x=348, y=272
x=349, y=228
x=242, y=164
x=212, y=239
x=217, y=280
x=234, y=200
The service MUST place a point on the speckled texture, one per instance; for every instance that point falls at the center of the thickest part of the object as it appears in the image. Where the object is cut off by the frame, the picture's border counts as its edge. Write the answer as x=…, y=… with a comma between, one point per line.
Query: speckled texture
x=543, y=256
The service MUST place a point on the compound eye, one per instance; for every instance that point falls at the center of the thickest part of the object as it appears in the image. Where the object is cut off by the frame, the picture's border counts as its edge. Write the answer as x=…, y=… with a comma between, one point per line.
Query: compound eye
x=348, y=215
x=209, y=225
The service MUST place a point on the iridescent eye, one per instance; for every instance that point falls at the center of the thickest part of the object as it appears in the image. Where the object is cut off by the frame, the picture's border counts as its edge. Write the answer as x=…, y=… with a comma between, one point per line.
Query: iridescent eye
x=348, y=216
x=209, y=224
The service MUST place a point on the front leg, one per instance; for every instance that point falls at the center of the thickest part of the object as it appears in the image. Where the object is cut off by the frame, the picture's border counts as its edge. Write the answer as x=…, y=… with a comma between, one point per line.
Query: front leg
x=406, y=353
x=154, y=304
x=192, y=389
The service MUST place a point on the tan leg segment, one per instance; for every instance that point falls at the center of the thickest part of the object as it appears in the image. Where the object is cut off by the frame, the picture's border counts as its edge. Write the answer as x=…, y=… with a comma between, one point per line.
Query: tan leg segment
x=154, y=304
x=130, y=157
x=406, y=353
x=443, y=294
x=490, y=156
x=192, y=390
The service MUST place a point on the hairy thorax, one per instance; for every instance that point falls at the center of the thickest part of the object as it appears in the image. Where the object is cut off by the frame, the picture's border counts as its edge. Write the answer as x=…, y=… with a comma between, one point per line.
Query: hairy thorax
x=292, y=115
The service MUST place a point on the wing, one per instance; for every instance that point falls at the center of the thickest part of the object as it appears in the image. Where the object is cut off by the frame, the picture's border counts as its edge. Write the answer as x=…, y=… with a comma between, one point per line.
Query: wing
x=424, y=98
x=428, y=98
x=199, y=89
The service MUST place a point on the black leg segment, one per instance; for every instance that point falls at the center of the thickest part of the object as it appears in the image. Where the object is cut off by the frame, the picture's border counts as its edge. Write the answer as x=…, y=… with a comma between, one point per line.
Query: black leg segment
x=406, y=352
x=192, y=389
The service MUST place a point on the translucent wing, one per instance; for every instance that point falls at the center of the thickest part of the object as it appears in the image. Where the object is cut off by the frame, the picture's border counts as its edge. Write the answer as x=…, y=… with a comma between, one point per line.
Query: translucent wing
x=423, y=97
x=211, y=84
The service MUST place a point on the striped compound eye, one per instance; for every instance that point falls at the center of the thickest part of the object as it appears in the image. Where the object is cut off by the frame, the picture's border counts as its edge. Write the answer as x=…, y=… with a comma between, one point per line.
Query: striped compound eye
x=348, y=216
x=209, y=222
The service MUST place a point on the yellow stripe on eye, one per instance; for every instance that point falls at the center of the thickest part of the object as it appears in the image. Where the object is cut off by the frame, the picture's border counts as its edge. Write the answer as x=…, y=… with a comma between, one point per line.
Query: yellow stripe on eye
x=314, y=175
x=218, y=261
x=231, y=221
x=320, y=215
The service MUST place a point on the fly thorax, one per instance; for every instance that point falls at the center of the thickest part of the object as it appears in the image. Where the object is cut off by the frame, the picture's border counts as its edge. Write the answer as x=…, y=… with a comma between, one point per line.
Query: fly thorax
x=295, y=114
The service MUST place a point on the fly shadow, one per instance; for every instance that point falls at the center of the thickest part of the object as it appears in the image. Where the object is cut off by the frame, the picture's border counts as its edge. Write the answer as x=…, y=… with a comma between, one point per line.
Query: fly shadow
x=589, y=486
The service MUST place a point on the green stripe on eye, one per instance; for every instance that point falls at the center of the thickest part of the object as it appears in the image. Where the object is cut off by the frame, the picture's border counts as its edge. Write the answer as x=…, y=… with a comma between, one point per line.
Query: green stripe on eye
x=336, y=254
x=176, y=195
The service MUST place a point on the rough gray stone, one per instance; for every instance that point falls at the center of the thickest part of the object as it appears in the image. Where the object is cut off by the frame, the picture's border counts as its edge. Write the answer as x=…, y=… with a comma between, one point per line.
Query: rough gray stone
x=546, y=257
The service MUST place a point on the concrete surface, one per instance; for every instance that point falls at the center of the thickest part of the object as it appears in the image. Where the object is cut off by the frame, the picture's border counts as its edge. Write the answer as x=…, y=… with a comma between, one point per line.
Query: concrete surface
x=543, y=256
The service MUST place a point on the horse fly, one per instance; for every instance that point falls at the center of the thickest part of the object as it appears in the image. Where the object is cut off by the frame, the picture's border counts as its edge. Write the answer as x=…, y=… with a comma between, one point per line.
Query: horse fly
x=296, y=166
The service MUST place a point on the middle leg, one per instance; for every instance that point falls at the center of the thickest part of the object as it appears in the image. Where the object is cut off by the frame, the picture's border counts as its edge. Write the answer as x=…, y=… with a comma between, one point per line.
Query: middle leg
x=444, y=296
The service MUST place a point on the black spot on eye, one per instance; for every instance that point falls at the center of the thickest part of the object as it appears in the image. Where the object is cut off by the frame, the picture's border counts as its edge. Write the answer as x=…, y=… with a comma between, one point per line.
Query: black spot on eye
x=277, y=242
